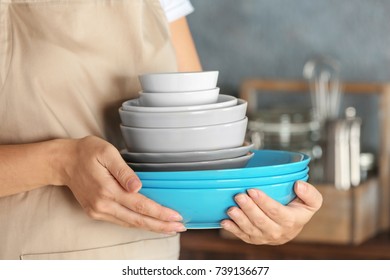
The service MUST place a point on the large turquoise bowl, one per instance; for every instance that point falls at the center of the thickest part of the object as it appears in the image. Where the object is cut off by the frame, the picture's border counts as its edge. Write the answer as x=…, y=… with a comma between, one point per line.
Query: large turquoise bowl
x=206, y=207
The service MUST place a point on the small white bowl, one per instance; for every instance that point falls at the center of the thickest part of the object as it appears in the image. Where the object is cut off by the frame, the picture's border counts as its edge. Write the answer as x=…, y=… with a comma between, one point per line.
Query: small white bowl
x=184, y=118
x=175, y=99
x=201, y=138
x=178, y=81
x=222, y=102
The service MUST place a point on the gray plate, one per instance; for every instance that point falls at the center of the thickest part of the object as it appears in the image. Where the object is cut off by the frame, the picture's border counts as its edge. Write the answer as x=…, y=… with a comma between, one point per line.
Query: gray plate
x=186, y=156
x=229, y=163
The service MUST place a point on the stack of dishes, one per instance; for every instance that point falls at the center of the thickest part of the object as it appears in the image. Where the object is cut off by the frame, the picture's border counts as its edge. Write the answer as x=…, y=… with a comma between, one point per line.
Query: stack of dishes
x=190, y=154
x=203, y=197
x=180, y=122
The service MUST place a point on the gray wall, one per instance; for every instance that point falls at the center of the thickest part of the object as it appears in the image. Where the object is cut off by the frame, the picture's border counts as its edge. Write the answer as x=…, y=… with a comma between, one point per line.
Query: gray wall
x=274, y=39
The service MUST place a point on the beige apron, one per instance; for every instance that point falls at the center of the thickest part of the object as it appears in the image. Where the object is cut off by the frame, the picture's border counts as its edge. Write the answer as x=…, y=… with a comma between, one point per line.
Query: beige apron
x=65, y=68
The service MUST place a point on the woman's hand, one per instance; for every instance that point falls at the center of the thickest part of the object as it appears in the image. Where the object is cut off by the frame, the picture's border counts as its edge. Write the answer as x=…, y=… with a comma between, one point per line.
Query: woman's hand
x=107, y=188
x=262, y=220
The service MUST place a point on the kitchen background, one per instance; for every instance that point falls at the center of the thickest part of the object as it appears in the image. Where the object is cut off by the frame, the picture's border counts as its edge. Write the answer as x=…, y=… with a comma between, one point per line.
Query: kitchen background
x=274, y=40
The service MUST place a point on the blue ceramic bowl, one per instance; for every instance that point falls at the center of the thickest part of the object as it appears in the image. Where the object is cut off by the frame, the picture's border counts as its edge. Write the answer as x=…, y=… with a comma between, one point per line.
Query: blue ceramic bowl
x=206, y=208
x=264, y=163
x=224, y=183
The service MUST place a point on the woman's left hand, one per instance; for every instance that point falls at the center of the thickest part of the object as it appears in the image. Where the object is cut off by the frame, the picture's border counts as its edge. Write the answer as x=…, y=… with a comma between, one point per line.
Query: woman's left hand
x=261, y=220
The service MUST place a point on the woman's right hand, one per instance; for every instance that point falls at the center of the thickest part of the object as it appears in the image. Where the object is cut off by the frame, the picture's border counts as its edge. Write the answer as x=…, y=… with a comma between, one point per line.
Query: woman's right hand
x=107, y=188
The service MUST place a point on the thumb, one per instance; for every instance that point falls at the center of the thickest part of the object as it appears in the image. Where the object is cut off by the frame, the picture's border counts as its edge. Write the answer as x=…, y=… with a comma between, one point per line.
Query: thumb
x=125, y=176
x=309, y=195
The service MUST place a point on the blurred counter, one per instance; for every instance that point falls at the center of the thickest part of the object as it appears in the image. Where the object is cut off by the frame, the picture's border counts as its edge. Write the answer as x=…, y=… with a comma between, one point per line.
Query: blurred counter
x=209, y=245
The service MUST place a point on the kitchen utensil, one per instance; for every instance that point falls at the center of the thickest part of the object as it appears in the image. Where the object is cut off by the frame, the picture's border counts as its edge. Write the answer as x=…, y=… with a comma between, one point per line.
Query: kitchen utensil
x=343, y=150
x=323, y=76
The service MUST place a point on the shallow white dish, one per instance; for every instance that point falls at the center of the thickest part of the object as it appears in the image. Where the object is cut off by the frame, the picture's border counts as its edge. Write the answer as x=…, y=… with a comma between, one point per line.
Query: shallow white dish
x=184, y=118
x=175, y=99
x=178, y=81
x=186, y=156
x=222, y=102
x=200, y=138
x=237, y=162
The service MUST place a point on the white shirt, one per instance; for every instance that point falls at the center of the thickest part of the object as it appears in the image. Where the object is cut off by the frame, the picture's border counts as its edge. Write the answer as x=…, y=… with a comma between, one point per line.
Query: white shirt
x=175, y=9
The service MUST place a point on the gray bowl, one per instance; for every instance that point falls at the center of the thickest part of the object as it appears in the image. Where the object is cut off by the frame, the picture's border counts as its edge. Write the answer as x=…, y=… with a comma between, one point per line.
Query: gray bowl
x=184, y=119
x=195, y=156
x=227, y=163
x=200, y=138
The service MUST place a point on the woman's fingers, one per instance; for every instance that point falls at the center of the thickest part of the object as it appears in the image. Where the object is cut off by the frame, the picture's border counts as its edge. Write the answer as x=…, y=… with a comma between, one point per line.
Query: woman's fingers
x=118, y=168
x=117, y=214
x=259, y=219
x=107, y=189
x=136, y=210
x=140, y=204
x=309, y=195
x=272, y=209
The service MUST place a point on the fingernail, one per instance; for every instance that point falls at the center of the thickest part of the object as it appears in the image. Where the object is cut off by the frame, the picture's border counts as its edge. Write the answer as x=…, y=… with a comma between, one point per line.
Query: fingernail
x=253, y=193
x=176, y=218
x=302, y=187
x=133, y=185
x=232, y=213
x=225, y=224
x=241, y=198
x=180, y=228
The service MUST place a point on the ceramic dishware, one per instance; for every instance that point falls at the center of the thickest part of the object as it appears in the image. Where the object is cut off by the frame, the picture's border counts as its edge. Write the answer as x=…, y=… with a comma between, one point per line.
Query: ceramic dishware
x=178, y=81
x=264, y=163
x=222, y=102
x=187, y=156
x=184, y=118
x=175, y=99
x=200, y=138
x=206, y=208
x=224, y=183
x=235, y=162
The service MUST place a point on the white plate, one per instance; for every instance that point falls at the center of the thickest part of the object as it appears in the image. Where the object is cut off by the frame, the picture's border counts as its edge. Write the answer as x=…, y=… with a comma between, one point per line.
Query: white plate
x=223, y=101
x=186, y=156
x=230, y=163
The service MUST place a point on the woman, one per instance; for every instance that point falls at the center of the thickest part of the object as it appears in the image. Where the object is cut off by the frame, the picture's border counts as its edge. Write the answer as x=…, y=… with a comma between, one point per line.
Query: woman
x=65, y=192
